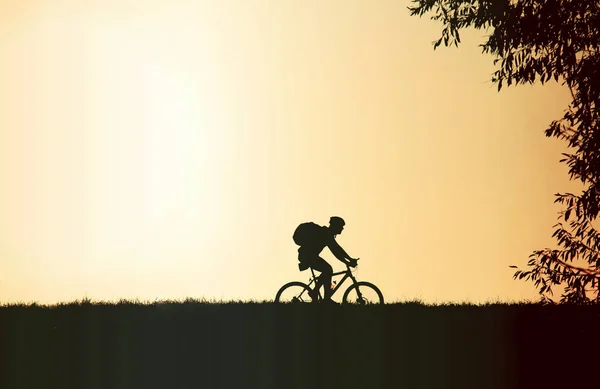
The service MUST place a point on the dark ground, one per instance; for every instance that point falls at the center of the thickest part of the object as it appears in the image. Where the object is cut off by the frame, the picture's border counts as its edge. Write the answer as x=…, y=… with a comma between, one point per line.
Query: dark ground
x=268, y=345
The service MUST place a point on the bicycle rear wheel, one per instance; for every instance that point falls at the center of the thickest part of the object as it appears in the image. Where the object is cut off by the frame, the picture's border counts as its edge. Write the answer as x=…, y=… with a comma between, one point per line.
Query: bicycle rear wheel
x=294, y=292
x=363, y=293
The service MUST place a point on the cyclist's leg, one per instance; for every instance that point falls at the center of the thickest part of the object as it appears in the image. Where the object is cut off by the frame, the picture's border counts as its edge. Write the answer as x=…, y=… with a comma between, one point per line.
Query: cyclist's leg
x=309, y=258
x=326, y=270
x=306, y=258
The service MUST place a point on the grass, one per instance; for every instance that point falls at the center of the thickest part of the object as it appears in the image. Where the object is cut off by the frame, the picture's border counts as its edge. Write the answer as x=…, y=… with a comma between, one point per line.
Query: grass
x=258, y=344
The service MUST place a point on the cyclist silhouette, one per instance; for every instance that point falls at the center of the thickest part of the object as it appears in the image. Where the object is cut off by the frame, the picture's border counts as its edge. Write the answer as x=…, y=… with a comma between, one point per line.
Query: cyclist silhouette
x=308, y=253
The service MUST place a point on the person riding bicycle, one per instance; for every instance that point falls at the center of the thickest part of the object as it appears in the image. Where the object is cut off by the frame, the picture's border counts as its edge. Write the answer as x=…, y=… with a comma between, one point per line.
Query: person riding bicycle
x=311, y=246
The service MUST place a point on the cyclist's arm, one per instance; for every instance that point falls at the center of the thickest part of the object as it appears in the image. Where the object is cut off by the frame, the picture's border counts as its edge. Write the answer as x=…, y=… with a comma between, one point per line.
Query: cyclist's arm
x=339, y=252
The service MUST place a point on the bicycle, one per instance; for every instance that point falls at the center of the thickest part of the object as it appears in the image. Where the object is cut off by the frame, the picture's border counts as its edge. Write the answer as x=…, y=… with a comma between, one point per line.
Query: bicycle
x=360, y=292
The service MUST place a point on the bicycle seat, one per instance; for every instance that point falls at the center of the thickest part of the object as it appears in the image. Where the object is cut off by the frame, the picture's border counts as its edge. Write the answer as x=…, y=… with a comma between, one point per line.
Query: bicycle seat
x=302, y=266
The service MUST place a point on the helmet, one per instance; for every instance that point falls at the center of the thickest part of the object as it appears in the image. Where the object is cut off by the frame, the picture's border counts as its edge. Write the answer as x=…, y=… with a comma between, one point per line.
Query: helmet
x=336, y=221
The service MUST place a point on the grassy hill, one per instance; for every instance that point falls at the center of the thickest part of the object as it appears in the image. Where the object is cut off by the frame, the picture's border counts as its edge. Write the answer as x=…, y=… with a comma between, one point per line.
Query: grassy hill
x=196, y=344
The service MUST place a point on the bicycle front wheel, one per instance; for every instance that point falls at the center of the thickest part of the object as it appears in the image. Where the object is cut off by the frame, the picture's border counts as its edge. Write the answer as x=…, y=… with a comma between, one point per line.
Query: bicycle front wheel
x=363, y=293
x=294, y=292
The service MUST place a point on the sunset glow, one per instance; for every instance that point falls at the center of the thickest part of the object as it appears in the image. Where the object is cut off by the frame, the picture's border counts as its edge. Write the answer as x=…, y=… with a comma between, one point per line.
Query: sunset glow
x=169, y=149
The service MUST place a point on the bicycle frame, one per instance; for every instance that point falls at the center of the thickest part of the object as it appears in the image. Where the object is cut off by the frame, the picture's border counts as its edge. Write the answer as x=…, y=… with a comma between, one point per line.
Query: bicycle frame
x=347, y=274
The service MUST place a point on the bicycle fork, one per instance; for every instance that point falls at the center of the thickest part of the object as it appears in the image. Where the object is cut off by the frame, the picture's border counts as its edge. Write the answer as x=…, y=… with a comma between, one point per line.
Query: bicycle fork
x=358, y=293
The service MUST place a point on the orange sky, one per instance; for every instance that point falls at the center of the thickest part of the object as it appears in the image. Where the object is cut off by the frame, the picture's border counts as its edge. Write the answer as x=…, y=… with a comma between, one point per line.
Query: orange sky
x=168, y=149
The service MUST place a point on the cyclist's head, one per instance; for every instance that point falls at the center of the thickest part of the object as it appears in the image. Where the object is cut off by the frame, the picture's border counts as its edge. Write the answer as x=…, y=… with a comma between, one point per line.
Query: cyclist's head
x=336, y=224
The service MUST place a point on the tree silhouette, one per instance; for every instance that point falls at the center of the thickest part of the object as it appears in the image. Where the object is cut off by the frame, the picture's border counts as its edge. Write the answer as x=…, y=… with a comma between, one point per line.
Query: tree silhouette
x=539, y=40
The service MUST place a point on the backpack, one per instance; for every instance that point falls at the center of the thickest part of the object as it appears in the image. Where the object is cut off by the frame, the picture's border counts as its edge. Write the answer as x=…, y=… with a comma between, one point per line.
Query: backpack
x=306, y=233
